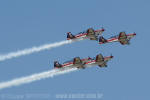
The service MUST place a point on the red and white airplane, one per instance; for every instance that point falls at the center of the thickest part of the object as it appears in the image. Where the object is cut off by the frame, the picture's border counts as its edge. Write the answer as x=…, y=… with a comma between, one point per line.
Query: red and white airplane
x=83, y=63
x=123, y=38
x=89, y=34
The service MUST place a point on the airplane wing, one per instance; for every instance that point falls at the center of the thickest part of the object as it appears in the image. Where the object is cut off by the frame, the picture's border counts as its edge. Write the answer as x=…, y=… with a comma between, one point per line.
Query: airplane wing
x=78, y=62
x=99, y=58
x=94, y=38
x=91, y=34
x=123, y=38
x=101, y=61
x=103, y=65
x=122, y=35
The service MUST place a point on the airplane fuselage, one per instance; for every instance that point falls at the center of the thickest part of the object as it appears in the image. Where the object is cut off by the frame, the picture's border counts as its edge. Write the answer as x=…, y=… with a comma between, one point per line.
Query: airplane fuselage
x=116, y=38
x=84, y=35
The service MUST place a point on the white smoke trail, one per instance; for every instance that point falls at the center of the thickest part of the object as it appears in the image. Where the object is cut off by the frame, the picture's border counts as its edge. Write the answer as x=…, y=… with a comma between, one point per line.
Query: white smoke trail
x=34, y=77
x=33, y=50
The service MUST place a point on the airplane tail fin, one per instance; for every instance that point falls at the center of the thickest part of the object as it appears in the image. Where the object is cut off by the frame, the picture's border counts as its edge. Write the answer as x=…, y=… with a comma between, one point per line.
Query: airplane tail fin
x=102, y=39
x=57, y=64
x=70, y=36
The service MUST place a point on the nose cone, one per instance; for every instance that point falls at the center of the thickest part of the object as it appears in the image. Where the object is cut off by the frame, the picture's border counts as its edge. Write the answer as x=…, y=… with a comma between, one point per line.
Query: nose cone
x=111, y=56
x=134, y=33
x=103, y=29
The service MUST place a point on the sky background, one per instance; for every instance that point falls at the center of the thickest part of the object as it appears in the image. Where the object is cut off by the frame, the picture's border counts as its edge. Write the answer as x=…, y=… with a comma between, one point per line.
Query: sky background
x=27, y=23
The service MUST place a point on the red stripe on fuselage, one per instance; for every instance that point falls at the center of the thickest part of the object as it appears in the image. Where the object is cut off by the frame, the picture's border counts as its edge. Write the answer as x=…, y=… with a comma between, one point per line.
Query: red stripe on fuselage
x=109, y=40
x=69, y=63
x=131, y=34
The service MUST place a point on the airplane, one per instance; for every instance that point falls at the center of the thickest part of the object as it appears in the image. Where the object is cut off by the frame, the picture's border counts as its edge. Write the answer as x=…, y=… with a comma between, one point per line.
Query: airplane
x=123, y=38
x=90, y=33
x=83, y=63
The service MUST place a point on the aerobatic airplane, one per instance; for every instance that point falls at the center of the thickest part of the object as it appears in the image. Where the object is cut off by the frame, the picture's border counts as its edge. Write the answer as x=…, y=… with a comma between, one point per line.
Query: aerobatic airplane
x=83, y=63
x=89, y=34
x=123, y=38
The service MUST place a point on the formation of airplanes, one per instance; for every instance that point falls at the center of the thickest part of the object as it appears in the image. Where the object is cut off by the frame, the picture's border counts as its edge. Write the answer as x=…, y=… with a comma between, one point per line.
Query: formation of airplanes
x=99, y=60
x=83, y=63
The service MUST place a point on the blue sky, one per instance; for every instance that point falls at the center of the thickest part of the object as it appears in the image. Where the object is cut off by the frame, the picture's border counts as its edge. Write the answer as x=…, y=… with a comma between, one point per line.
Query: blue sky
x=28, y=23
